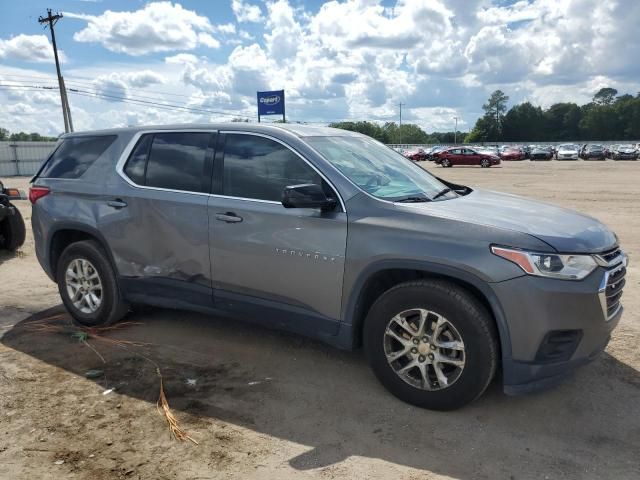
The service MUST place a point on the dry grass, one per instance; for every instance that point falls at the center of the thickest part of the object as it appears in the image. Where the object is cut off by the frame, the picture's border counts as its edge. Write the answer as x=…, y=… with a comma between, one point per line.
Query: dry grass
x=84, y=334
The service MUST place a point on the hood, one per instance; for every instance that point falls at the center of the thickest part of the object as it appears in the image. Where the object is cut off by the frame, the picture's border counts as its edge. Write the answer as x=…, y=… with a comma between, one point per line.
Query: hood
x=567, y=150
x=565, y=230
x=626, y=150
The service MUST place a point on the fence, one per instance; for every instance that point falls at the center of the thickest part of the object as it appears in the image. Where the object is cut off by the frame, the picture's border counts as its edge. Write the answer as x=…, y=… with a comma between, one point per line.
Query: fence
x=23, y=158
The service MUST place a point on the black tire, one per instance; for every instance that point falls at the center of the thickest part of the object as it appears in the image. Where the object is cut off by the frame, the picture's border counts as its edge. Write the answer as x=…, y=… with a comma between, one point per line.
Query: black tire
x=12, y=231
x=446, y=163
x=112, y=307
x=470, y=318
x=484, y=163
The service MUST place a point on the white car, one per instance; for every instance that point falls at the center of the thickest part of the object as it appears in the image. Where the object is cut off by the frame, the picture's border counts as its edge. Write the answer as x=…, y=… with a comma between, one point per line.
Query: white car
x=568, y=151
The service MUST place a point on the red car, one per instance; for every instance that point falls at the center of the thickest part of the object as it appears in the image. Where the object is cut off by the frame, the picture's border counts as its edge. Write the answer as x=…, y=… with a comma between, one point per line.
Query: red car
x=466, y=156
x=512, y=154
x=417, y=155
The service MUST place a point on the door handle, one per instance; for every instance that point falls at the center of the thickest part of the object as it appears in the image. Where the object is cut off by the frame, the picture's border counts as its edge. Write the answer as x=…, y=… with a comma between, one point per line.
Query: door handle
x=228, y=217
x=117, y=203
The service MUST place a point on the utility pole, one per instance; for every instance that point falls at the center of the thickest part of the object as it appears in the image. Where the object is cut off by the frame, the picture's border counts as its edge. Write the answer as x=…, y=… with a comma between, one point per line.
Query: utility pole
x=66, y=112
x=401, y=104
x=455, y=132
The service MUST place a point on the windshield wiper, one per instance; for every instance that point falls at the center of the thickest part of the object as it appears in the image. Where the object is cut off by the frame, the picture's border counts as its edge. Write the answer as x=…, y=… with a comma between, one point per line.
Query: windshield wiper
x=442, y=192
x=413, y=200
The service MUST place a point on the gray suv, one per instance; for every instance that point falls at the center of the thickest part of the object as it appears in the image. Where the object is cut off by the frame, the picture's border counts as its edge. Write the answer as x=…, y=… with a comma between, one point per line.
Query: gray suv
x=333, y=235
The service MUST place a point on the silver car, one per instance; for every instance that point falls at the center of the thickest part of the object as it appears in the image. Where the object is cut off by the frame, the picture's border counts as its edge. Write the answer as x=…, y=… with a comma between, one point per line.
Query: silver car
x=333, y=235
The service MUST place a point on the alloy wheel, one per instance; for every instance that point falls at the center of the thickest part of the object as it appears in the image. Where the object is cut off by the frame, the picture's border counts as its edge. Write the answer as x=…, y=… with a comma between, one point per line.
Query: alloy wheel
x=84, y=285
x=424, y=349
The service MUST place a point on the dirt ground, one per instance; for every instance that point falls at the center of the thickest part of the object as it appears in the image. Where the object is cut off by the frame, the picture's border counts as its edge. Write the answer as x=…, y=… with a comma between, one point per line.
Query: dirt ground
x=264, y=404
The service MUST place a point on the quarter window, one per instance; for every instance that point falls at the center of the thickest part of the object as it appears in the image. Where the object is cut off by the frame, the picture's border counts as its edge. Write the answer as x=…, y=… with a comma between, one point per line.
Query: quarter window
x=75, y=155
x=260, y=168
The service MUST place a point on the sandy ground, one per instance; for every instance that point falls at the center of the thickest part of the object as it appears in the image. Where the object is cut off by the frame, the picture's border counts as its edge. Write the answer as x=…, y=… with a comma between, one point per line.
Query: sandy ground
x=263, y=404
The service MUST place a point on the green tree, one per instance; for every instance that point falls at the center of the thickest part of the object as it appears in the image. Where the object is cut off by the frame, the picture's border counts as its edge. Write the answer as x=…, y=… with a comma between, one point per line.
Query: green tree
x=489, y=126
x=367, y=128
x=605, y=96
x=562, y=122
x=523, y=122
x=4, y=134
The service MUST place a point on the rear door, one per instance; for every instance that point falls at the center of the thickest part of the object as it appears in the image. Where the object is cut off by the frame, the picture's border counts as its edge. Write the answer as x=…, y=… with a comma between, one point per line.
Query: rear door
x=285, y=266
x=156, y=221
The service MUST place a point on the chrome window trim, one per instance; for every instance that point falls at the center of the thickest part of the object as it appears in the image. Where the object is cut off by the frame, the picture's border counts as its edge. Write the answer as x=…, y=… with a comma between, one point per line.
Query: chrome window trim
x=289, y=147
x=131, y=145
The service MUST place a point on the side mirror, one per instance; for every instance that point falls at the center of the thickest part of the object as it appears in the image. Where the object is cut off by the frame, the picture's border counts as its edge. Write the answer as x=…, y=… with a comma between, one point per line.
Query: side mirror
x=308, y=195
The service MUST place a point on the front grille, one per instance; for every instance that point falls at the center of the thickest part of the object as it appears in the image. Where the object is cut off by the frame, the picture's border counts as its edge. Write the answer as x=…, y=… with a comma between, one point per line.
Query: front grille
x=613, y=282
x=613, y=291
x=610, y=255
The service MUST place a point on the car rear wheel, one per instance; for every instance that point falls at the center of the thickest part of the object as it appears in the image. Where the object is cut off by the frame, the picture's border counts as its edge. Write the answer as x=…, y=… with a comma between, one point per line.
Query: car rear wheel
x=12, y=231
x=485, y=163
x=446, y=163
x=87, y=285
x=431, y=344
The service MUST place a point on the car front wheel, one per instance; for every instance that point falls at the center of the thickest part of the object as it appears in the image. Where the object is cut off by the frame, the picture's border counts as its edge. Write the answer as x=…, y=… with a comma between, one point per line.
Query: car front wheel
x=87, y=285
x=446, y=163
x=431, y=344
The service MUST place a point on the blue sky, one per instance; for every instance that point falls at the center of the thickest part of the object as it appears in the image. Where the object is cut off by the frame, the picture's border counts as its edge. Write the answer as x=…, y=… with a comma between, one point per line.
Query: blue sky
x=135, y=62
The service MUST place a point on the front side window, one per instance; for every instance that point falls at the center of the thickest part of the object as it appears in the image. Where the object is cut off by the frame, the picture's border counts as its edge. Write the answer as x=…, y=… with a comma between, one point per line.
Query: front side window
x=171, y=160
x=75, y=155
x=260, y=168
x=377, y=169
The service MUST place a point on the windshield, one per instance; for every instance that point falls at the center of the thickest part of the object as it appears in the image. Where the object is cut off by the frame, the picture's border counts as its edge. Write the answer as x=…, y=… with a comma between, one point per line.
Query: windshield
x=378, y=170
x=568, y=146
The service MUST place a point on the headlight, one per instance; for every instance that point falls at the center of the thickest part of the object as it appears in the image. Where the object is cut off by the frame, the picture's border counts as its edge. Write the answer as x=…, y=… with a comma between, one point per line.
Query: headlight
x=565, y=267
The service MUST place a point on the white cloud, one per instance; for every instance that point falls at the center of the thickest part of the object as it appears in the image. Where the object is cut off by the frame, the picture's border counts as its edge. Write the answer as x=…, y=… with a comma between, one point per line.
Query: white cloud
x=144, y=78
x=245, y=12
x=359, y=58
x=157, y=27
x=182, y=58
x=28, y=48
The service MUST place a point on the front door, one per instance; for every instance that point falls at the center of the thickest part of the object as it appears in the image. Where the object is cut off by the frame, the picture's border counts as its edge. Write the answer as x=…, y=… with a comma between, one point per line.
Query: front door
x=283, y=265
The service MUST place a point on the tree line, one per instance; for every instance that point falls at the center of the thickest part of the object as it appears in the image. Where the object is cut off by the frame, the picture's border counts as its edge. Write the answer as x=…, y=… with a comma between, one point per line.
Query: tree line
x=5, y=135
x=392, y=133
x=608, y=116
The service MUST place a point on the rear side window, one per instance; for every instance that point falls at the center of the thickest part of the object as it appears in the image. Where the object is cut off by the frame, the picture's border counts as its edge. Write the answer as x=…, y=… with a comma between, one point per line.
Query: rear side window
x=75, y=155
x=260, y=168
x=172, y=160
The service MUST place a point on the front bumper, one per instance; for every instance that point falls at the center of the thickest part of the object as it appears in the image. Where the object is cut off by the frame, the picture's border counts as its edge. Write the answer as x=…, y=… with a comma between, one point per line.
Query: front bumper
x=535, y=309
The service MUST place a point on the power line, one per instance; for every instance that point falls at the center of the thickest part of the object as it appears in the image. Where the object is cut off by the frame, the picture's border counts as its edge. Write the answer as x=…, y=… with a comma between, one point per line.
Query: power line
x=66, y=111
x=141, y=100
x=134, y=101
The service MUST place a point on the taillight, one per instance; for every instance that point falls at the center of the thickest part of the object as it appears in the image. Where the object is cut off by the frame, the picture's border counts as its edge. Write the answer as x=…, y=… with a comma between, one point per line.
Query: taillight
x=36, y=193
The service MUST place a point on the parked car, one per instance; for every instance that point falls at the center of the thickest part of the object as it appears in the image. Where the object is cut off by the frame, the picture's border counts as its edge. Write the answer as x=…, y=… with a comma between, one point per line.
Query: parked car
x=437, y=151
x=610, y=150
x=625, y=152
x=12, y=228
x=567, y=151
x=511, y=153
x=541, y=152
x=593, y=152
x=417, y=155
x=466, y=156
x=442, y=284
